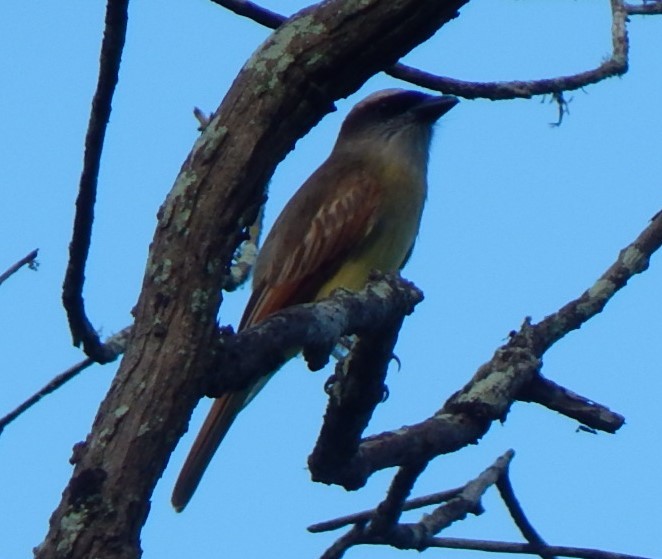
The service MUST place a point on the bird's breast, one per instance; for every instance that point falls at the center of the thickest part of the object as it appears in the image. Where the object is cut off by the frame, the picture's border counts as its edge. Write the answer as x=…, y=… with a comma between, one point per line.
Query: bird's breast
x=390, y=240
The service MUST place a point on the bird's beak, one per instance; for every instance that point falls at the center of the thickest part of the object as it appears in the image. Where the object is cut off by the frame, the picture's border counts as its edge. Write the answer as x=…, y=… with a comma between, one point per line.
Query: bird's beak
x=433, y=108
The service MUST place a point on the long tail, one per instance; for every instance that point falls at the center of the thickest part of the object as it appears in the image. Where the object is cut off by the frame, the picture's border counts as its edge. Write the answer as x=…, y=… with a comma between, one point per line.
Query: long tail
x=225, y=409
x=223, y=412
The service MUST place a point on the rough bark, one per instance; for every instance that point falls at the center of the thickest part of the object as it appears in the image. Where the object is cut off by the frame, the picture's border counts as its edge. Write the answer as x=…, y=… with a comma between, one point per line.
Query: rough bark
x=322, y=54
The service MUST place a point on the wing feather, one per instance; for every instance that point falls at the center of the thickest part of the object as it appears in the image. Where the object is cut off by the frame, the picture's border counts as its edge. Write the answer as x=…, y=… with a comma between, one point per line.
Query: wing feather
x=297, y=260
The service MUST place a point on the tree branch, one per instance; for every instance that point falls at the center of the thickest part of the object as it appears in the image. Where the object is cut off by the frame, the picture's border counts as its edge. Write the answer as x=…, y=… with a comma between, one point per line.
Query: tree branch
x=528, y=549
x=616, y=65
x=253, y=11
x=517, y=514
x=648, y=8
x=31, y=261
x=316, y=327
x=325, y=52
x=560, y=399
x=508, y=376
x=632, y=260
x=366, y=515
x=82, y=330
x=116, y=344
x=357, y=388
x=416, y=536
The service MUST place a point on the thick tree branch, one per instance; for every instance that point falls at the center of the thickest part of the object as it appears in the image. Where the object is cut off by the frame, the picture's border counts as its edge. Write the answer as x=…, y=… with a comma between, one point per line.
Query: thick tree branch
x=326, y=52
x=357, y=389
x=315, y=327
x=82, y=330
x=243, y=358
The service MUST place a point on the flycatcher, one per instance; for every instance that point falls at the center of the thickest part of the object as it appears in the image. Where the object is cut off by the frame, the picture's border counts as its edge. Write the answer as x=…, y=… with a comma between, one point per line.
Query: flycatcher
x=359, y=212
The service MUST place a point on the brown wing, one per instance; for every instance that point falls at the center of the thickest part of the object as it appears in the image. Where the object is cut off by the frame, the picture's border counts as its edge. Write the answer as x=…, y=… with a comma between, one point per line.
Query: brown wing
x=301, y=253
x=315, y=231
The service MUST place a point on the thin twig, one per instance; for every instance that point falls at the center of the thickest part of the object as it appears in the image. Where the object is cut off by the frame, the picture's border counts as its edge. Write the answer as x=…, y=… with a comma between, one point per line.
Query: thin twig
x=116, y=343
x=29, y=259
x=257, y=13
x=517, y=514
x=53, y=385
x=72, y=291
x=366, y=515
x=527, y=548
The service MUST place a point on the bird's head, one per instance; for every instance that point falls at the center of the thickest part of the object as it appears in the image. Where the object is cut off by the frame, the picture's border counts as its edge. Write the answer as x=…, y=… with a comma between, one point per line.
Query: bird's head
x=394, y=119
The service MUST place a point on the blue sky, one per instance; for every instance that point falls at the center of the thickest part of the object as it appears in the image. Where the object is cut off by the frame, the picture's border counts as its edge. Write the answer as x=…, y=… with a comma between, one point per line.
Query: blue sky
x=521, y=218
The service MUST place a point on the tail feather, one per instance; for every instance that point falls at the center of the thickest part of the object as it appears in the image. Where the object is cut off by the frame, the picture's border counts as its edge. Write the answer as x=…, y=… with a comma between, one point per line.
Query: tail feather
x=225, y=409
x=223, y=412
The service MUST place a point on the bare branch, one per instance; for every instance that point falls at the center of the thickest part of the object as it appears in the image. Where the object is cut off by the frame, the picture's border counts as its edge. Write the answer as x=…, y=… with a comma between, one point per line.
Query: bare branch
x=115, y=343
x=420, y=536
x=52, y=386
x=528, y=549
x=317, y=327
x=366, y=515
x=358, y=388
x=632, y=260
x=343, y=543
x=72, y=291
x=616, y=65
x=260, y=15
x=468, y=414
x=343, y=310
x=517, y=514
x=558, y=398
x=30, y=259
x=457, y=508
x=390, y=509
x=646, y=9
x=416, y=536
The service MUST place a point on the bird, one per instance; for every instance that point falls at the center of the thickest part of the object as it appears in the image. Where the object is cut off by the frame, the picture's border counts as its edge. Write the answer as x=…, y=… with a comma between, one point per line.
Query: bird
x=360, y=211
